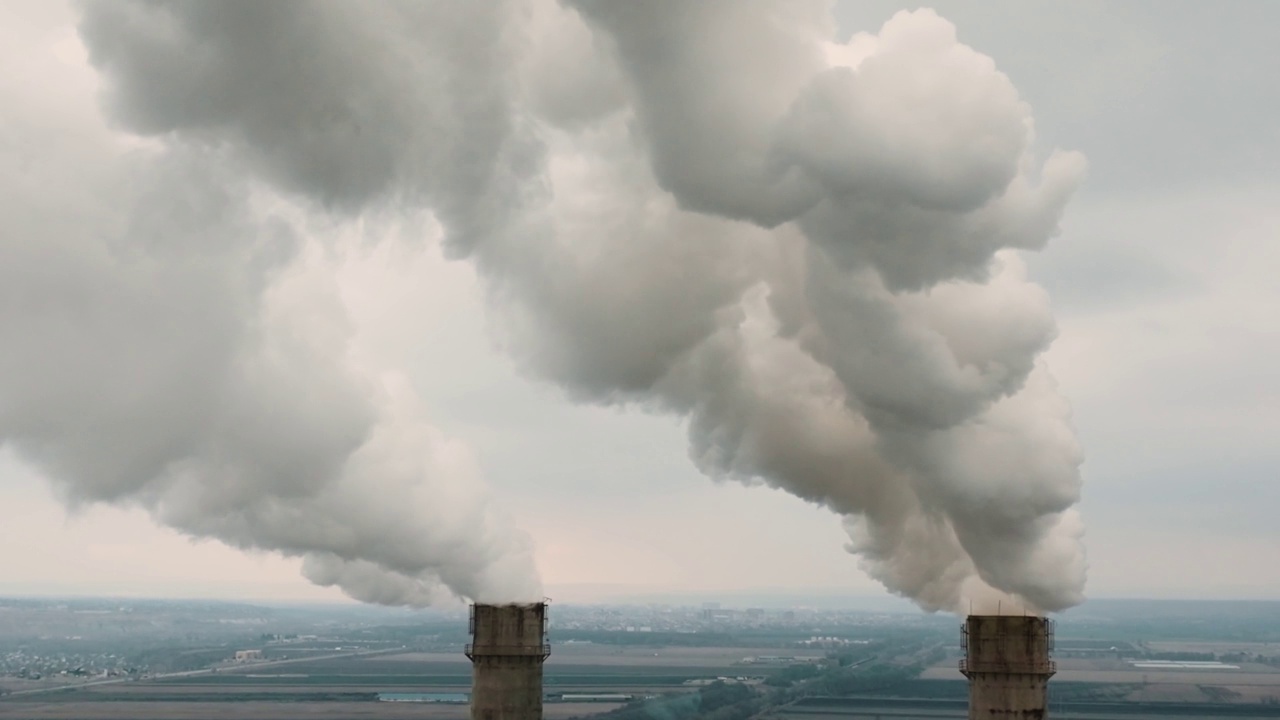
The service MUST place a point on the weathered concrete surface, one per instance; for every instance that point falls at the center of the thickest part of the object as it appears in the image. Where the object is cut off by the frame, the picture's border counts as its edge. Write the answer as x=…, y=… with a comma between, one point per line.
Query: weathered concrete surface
x=1008, y=666
x=508, y=646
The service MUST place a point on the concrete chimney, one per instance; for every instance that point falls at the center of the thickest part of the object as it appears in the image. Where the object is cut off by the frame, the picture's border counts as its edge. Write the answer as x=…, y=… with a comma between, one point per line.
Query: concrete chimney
x=1008, y=666
x=508, y=645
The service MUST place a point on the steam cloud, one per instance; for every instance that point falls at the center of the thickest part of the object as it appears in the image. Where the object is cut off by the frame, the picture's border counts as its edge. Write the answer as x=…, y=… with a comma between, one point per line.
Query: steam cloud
x=807, y=249
x=163, y=360
x=163, y=345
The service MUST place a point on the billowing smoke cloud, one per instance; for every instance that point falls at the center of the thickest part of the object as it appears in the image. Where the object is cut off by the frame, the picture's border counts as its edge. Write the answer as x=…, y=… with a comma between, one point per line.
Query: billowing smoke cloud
x=163, y=345
x=807, y=249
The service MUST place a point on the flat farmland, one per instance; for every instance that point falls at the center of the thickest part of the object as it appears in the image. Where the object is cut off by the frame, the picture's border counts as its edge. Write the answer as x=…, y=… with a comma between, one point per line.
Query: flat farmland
x=630, y=656
x=348, y=687
x=1120, y=671
x=258, y=710
x=588, y=666
x=1251, y=683
x=882, y=708
x=1221, y=648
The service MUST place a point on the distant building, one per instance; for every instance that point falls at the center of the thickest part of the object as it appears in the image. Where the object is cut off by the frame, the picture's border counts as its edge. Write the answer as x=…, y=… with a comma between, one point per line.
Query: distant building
x=248, y=655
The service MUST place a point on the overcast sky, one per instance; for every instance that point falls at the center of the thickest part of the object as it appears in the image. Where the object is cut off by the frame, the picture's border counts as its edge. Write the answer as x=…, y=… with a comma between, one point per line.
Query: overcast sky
x=1162, y=281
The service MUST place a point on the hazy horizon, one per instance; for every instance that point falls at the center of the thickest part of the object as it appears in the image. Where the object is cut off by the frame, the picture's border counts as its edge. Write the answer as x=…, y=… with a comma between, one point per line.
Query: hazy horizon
x=619, y=595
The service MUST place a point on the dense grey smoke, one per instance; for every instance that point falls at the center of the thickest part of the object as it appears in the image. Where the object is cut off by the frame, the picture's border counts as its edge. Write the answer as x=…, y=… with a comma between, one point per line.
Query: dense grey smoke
x=161, y=346
x=808, y=249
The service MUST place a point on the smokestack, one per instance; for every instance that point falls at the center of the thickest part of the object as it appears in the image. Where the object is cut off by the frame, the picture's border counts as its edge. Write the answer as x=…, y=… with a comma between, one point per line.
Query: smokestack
x=1008, y=666
x=508, y=646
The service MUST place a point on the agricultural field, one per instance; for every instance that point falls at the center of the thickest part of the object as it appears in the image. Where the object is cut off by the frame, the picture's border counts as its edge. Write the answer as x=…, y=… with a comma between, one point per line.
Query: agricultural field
x=569, y=667
x=1265, y=649
x=349, y=687
x=260, y=710
x=1245, y=682
x=348, y=663
x=917, y=709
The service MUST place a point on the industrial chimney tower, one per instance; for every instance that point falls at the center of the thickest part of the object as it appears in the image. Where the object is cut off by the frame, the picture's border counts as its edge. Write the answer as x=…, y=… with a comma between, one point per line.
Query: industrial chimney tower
x=1006, y=658
x=508, y=646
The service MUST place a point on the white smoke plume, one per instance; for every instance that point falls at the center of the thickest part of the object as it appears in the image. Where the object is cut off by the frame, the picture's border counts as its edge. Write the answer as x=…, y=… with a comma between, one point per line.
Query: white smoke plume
x=164, y=345
x=808, y=249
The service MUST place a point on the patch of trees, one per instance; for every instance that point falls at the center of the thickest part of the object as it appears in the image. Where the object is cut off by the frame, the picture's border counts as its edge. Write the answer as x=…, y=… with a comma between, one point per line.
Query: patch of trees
x=717, y=701
x=858, y=653
x=650, y=639
x=165, y=660
x=878, y=678
x=792, y=674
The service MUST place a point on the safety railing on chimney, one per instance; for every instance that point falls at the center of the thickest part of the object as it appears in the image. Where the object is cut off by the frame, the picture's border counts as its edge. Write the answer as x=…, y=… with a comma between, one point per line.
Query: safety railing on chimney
x=542, y=651
x=1020, y=668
